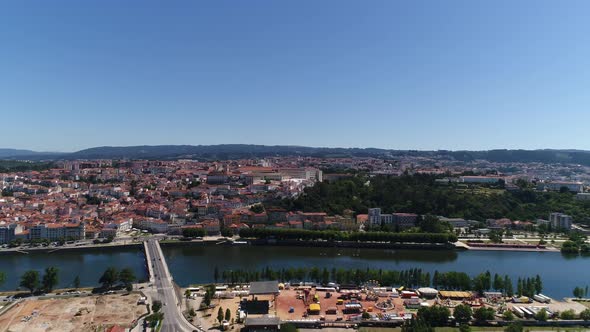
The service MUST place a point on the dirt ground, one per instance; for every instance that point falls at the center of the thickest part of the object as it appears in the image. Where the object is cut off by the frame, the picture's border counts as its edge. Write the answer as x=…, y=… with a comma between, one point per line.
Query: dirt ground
x=208, y=318
x=72, y=314
x=288, y=299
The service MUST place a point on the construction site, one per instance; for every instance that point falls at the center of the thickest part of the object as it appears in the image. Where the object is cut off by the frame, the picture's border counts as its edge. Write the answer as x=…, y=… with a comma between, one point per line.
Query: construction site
x=86, y=313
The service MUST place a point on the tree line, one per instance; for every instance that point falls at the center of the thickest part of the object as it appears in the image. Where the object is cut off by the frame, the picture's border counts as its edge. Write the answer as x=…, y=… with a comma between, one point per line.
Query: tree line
x=33, y=281
x=112, y=276
x=416, y=277
x=333, y=235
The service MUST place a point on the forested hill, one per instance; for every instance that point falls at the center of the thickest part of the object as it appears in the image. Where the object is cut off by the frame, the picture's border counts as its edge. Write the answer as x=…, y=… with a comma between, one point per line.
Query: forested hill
x=237, y=151
x=420, y=194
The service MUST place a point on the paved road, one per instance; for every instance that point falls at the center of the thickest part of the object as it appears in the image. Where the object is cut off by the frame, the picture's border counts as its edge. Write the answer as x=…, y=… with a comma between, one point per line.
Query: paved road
x=174, y=321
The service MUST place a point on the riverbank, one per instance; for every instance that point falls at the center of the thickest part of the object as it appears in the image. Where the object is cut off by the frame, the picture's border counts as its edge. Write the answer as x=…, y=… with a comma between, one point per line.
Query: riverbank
x=482, y=246
x=352, y=244
x=459, y=245
x=102, y=246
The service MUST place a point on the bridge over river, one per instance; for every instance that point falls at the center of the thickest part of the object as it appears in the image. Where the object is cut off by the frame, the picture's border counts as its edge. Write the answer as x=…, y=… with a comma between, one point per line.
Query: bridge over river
x=163, y=289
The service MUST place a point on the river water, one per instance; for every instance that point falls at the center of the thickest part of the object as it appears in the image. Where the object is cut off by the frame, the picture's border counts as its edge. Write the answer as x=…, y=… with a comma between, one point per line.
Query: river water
x=195, y=264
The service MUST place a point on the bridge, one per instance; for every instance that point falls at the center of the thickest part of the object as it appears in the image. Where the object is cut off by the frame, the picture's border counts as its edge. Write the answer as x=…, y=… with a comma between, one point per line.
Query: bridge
x=162, y=289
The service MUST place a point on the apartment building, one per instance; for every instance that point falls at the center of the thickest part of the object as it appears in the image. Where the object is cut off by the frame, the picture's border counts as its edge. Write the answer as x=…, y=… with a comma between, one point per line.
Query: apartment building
x=560, y=220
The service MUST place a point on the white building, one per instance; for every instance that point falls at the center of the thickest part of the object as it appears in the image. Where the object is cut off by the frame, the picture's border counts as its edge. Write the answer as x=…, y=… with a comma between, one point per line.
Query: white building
x=154, y=225
x=376, y=218
x=576, y=187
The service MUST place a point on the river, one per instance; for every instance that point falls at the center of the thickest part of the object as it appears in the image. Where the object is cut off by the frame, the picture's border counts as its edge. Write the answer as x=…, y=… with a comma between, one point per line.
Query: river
x=195, y=264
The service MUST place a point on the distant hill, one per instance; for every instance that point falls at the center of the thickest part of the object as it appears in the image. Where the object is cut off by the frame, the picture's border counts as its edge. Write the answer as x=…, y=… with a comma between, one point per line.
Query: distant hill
x=25, y=154
x=237, y=151
x=222, y=151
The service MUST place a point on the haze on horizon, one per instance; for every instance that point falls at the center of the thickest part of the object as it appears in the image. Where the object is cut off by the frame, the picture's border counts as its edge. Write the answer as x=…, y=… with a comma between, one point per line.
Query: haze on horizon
x=424, y=75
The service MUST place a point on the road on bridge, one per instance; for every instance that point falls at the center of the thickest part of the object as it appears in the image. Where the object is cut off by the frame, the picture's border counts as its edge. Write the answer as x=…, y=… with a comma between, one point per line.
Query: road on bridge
x=164, y=291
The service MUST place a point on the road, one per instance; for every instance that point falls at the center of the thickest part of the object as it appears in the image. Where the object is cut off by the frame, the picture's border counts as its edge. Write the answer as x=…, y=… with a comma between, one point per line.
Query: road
x=164, y=291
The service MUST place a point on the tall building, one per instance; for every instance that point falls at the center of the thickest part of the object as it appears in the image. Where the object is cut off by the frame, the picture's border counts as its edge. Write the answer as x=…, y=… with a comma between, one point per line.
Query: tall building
x=8, y=232
x=560, y=220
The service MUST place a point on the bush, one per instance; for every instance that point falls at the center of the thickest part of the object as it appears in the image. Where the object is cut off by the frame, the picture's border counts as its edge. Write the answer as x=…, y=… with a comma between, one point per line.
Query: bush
x=463, y=313
x=570, y=247
x=156, y=306
x=435, y=315
x=508, y=315
x=153, y=319
x=483, y=314
x=514, y=327
x=568, y=315
x=288, y=328
x=542, y=315
x=585, y=315
x=464, y=328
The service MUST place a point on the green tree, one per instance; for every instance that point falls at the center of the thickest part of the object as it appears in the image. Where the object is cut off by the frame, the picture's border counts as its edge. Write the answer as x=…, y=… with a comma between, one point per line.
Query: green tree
x=288, y=328
x=76, y=282
x=156, y=306
x=109, y=277
x=570, y=247
x=464, y=328
x=463, y=313
x=508, y=286
x=585, y=315
x=127, y=276
x=417, y=325
x=578, y=292
x=258, y=208
x=498, y=283
x=435, y=315
x=30, y=280
x=538, y=284
x=50, y=279
x=567, y=315
x=220, y=315
x=508, y=315
x=542, y=315
x=154, y=318
x=514, y=327
x=193, y=232
x=483, y=314
x=227, y=315
x=432, y=224
x=209, y=292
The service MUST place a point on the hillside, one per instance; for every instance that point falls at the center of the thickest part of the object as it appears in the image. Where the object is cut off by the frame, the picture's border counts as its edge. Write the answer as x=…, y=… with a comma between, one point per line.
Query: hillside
x=237, y=151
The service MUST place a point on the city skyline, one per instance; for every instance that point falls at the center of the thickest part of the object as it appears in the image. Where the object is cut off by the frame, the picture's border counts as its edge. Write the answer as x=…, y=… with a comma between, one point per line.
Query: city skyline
x=420, y=75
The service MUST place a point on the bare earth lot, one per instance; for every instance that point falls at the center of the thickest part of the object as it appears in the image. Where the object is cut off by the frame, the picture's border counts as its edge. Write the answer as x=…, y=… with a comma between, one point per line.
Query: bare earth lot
x=90, y=313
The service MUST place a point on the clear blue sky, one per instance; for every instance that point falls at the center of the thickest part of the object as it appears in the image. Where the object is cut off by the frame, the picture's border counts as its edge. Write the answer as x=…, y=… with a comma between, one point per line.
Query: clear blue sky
x=391, y=74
